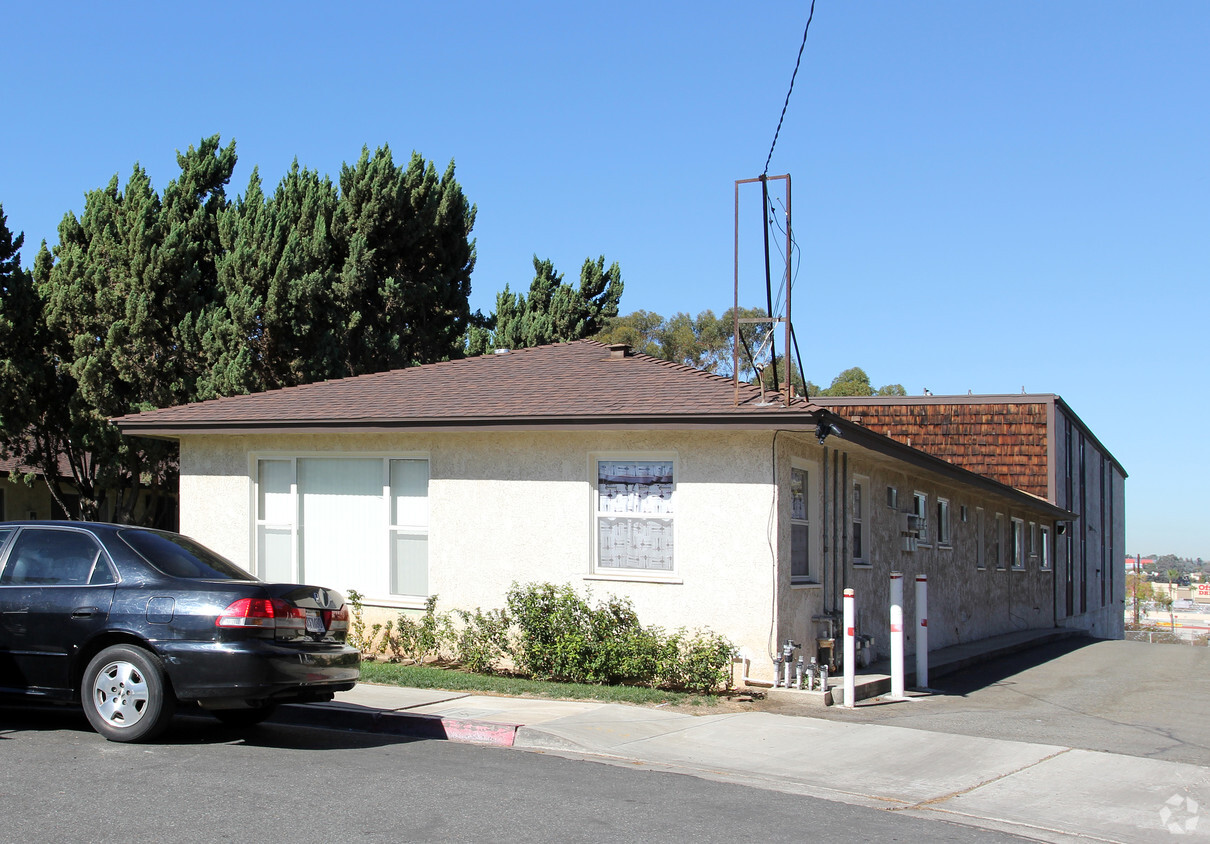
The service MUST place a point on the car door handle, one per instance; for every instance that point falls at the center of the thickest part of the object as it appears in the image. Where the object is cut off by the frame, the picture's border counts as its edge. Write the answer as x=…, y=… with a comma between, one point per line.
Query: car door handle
x=85, y=612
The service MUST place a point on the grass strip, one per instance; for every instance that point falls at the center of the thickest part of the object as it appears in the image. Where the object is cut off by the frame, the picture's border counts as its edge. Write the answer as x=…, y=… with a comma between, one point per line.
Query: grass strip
x=428, y=677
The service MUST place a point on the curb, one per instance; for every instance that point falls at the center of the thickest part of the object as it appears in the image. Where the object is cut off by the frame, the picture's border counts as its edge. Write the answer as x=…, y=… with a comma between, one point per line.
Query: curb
x=394, y=723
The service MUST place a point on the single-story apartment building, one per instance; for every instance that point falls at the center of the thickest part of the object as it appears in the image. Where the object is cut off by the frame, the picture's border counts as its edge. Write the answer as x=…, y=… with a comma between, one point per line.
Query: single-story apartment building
x=705, y=501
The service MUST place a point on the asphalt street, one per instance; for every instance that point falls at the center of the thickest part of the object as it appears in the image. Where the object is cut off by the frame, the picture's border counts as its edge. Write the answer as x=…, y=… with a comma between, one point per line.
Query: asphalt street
x=1120, y=697
x=204, y=782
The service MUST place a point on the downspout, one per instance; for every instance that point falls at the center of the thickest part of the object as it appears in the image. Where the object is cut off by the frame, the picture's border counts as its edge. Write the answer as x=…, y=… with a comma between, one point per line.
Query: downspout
x=846, y=556
x=825, y=563
x=836, y=556
x=774, y=531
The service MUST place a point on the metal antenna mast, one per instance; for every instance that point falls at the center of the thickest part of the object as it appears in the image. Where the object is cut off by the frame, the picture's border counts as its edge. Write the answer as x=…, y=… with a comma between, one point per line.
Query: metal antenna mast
x=787, y=390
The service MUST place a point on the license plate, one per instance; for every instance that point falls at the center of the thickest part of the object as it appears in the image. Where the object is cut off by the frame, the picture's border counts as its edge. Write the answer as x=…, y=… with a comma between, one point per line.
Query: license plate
x=315, y=624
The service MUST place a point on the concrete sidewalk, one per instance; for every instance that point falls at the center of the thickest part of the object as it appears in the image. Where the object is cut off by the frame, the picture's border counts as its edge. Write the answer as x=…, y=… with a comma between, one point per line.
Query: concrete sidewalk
x=1041, y=791
x=1045, y=792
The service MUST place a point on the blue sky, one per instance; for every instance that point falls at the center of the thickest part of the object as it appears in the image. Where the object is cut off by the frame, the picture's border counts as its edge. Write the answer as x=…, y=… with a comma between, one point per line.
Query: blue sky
x=988, y=196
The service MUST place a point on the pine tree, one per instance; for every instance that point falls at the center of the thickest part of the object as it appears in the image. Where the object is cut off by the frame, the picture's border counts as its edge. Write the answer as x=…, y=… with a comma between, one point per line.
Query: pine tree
x=404, y=280
x=553, y=311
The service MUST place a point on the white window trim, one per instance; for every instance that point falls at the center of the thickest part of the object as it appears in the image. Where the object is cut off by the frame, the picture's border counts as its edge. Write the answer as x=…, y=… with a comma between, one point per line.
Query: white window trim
x=999, y=542
x=381, y=598
x=610, y=573
x=866, y=561
x=814, y=517
x=924, y=537
x=947, y=541
x=980, y=539
x=1016, y=544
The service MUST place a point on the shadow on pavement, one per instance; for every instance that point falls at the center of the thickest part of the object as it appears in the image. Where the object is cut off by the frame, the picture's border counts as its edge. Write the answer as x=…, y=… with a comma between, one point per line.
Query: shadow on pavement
x=192, y=726
x=996, y=671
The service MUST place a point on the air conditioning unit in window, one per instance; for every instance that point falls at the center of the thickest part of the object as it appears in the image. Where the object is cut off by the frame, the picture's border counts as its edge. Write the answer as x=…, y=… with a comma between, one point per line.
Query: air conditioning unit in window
x=909, y=543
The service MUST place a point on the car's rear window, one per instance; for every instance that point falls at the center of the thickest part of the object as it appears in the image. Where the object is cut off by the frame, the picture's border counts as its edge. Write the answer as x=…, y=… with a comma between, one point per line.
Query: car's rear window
x=180, y=556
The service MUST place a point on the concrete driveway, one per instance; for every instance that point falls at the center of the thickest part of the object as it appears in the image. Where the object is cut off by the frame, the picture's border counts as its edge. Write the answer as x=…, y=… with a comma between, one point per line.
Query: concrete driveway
x=1121, y=697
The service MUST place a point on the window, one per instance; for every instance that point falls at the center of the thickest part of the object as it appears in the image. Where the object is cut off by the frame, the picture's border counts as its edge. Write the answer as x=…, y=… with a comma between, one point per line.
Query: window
x=1017, y=543
x=980, y=538
x=943, y=522
x=180, y=556
x=634, y=515
x=861, y=537
x=962, y=513
x=998, y=542
x=409, y=482
x=1031, y=541
x=1044, y=549
x=347, y=522
x=802, y=507
x=892, y=498
x=920, y=509
x=42, y=557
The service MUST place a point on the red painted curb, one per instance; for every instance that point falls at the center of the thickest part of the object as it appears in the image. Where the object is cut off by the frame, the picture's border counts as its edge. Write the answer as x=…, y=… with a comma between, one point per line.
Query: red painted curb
x=398, y=723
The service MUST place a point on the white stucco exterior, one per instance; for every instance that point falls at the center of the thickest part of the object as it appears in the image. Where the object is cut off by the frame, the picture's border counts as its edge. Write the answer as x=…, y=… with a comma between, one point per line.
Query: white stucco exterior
x=517, y=506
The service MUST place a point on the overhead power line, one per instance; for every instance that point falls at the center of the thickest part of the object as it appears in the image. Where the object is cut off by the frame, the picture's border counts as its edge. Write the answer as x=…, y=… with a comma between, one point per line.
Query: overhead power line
x=785, y=105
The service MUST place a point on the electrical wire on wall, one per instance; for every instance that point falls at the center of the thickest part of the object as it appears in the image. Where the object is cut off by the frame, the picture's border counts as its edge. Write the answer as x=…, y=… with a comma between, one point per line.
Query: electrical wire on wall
x=772, y=645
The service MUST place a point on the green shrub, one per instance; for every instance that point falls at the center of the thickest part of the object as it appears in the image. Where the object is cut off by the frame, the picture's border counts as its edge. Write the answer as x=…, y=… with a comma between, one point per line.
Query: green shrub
x=482, y=640
x=559, y=636
x=358, y=637
x=420, y=639
x=551, y=633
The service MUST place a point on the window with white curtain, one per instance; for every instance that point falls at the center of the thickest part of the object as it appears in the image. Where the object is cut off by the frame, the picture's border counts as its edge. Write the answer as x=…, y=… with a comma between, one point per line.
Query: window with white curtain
x=345, y=522
x=634, y=515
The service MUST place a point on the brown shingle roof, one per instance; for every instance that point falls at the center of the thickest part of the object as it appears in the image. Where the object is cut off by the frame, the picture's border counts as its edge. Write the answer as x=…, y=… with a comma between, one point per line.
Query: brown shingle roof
x=577, y=382
x=1005, y=439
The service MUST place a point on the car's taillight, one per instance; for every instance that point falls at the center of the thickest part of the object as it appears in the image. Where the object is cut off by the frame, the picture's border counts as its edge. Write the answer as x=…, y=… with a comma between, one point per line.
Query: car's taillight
x=338, y=625
x=265, y=613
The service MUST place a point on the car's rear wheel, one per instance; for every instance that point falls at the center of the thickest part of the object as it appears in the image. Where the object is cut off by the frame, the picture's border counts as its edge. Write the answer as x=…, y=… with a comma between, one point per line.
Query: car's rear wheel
x=125, y=695
x=245, y=717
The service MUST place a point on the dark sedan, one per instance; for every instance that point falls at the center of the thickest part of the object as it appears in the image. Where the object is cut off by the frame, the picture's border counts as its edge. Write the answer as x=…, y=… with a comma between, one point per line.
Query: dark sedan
x=130, y=621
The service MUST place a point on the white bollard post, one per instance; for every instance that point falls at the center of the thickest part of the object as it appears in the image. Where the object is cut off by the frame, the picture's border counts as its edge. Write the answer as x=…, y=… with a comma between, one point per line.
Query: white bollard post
x=850, y=652
x=922, y=631
x=897, y=635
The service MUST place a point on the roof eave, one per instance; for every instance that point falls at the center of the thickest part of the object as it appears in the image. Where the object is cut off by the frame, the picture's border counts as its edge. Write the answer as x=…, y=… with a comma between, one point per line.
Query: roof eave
x=782, y=418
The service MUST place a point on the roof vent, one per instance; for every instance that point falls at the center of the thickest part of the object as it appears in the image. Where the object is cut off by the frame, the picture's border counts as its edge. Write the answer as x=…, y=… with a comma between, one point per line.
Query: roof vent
x=502, y=351
x=618, y=351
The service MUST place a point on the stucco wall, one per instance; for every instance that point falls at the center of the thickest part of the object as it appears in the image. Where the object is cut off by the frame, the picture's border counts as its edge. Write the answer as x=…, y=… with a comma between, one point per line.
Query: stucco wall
x=966, y=603
x=517, y=507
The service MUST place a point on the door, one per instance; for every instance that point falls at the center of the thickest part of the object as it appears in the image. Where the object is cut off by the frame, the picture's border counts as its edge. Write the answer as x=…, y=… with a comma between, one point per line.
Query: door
x=56, y=587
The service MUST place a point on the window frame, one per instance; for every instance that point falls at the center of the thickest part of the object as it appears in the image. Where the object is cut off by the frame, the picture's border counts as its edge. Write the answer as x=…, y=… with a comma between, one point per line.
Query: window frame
x=920, y=509
x=1044, y=549
x=998, y=542
x=1016, y=543
x=944, y=537
x=860, y=522
x=381, y=570
x=812, y=523
x=980, y=539
x=625, y=573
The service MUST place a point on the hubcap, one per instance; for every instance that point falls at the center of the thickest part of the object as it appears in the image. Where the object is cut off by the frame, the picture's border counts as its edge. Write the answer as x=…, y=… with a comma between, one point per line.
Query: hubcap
x=120, y=694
